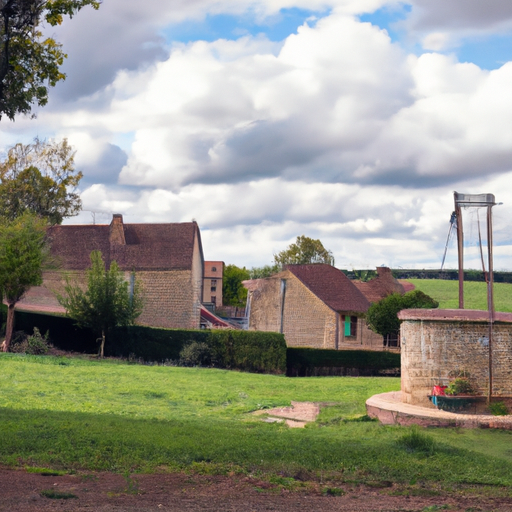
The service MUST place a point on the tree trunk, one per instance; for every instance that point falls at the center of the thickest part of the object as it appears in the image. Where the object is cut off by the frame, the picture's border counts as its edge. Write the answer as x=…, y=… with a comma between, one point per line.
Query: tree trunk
x=9, y=328
x=102, y=346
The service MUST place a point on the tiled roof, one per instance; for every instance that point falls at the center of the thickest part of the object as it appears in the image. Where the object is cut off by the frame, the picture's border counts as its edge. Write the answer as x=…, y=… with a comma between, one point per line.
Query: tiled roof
x=381, y=286
x=408, y=287
x=214, y=320
x=330, y=285
x=147, y=247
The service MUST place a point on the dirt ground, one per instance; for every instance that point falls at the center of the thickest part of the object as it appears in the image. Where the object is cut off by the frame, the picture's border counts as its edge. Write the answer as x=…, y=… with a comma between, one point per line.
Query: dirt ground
x=21, y=491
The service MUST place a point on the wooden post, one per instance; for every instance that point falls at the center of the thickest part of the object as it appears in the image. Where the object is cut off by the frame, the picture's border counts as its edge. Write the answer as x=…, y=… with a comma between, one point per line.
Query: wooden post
x=460, y=247
x=490, y=296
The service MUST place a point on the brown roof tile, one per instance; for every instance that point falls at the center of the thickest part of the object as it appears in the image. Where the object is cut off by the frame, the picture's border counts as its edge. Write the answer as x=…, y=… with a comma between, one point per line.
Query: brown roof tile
x=408, y=287
x=147, y=247
x=331, y=285
x=381, y=286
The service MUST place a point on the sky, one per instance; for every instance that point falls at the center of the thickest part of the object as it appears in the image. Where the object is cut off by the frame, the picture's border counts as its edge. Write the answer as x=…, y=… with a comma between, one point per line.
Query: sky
x=348, y=121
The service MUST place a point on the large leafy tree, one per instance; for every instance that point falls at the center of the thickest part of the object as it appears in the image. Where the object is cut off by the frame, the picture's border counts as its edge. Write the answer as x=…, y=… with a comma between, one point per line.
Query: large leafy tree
x=29, y=63
x=107, y=302
x=22, y=255
x=382, y=316
x=233, y=291
x=305, y=250
x=40, y=178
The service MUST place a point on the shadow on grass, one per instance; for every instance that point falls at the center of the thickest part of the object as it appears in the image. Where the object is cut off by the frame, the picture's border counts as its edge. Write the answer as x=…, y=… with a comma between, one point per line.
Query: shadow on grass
x=353, y=451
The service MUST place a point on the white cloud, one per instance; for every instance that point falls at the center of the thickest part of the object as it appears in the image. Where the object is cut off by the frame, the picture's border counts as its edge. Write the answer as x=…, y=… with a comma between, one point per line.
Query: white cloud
x=436, y=41
x=238, y=110
x=335, y=132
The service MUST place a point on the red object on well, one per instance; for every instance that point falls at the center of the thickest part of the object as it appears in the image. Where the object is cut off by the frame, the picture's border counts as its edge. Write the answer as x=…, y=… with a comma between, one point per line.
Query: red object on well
x=438, y=390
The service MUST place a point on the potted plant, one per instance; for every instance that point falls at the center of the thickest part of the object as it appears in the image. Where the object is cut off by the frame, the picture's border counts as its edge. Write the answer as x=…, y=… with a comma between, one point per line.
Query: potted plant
x=460, y=386
x=457, y=396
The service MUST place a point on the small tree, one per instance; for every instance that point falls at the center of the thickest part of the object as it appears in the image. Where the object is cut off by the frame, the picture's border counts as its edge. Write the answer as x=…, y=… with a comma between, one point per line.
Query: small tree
x=382, y=316
x=107, y=302
x=233, y=291
x=22, y=254
x=305, y=250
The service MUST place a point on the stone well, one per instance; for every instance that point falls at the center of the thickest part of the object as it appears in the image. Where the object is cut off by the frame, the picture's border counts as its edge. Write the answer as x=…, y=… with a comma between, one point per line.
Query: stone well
x=438, y=342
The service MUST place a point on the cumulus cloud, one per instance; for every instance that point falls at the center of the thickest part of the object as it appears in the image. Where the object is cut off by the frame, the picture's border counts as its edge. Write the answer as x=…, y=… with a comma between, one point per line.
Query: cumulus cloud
x=239, y=111
x=334, y=132
x=234, y=115
x=128, y=35
x=440, y=25
x=467, y=15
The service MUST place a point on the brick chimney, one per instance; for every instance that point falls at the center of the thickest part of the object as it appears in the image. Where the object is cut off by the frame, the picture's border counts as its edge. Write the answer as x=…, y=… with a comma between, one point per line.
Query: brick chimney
x=116, y=235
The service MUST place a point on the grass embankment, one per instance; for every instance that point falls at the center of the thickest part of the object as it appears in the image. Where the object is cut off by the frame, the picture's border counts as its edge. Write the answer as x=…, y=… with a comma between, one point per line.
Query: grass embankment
x=475, y=294
x=83, y=415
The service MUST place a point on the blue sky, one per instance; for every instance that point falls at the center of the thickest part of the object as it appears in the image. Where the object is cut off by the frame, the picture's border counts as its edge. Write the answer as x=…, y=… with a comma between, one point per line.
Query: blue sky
x=351, y=121
x=228, y=26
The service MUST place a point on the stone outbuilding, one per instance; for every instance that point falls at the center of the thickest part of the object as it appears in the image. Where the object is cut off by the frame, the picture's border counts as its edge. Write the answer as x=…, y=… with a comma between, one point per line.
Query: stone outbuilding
x=438, y=344
x=314, y=306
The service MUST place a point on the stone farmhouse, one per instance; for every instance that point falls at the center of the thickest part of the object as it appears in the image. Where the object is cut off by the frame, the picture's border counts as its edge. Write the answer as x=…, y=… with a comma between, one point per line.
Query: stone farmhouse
x=167, y=259
x=317, y=306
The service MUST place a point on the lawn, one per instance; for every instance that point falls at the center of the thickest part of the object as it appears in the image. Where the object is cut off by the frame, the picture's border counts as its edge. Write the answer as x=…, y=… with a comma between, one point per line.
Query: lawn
x=73, y=414
x=475, y=294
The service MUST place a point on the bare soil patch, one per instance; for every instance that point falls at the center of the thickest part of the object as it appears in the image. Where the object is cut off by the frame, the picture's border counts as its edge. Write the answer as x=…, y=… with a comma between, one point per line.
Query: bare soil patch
x=21, y=491
x=295, y=416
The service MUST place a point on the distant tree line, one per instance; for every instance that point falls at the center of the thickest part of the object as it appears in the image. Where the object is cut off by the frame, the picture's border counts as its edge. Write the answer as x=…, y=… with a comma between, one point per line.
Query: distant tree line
x=447, y=275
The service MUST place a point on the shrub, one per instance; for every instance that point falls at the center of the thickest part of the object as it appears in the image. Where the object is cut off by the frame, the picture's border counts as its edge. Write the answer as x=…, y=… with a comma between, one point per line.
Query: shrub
x=196, y=353
x=35, y=344
x=460, y=386
x=382, y=316
x=249, y=351
x=19, y=342
x=498, y=408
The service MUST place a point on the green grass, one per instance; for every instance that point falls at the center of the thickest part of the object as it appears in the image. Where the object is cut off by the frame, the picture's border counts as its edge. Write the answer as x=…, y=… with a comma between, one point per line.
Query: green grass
x=475, y=294
x=74, y=414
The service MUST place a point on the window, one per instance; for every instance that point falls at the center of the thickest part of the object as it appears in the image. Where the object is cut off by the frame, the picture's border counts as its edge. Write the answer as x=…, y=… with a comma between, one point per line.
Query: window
x=214, y=269
x=213, y=282
x=213, y=289
x=350, y=325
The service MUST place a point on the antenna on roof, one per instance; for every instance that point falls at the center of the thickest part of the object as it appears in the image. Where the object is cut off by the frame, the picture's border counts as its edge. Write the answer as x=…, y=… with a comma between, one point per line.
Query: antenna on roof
x=94, y=212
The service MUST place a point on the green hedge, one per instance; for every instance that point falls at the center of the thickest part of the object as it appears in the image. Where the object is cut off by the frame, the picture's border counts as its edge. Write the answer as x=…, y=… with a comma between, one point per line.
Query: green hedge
x=250, y=351
x=64, y=334
x=306, y=362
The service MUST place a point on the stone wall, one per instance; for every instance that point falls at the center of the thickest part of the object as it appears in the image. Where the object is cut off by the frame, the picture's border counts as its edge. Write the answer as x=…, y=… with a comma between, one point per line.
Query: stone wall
x=171, y=298
x=307, y=321
x=436, y=344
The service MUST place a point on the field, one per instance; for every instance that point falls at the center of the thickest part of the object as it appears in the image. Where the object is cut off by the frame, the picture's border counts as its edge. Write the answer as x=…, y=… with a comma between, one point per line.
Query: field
x=475, y=294
x=80, y=415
